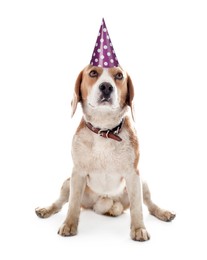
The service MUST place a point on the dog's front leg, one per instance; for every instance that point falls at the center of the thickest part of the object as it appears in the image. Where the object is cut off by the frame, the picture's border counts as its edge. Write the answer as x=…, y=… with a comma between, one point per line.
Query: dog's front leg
x=133, y=184
x=77, y=187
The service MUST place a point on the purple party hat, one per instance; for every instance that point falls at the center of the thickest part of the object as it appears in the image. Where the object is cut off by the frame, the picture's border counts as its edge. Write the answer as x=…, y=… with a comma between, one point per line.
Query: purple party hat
x=104, y=55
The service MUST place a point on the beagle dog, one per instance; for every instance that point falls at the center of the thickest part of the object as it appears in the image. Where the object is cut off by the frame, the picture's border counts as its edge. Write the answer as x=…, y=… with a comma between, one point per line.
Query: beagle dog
x=105, y=152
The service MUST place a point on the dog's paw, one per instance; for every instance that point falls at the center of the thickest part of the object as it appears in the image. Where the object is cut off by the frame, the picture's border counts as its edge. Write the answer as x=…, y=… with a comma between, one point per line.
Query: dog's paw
x=116, y=209
x=42, y=212
x=139, y=234
x=67, y=230
x=168, y=216
x=164, y=215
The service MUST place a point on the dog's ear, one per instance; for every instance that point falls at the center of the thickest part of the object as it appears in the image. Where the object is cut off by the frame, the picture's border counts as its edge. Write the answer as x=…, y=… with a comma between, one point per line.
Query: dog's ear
x=77, y=93
x=130, y=95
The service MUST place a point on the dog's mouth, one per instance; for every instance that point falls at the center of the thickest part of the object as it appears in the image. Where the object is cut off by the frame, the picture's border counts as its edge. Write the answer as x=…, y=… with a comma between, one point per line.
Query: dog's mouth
x=105, y=100
x=104, y=103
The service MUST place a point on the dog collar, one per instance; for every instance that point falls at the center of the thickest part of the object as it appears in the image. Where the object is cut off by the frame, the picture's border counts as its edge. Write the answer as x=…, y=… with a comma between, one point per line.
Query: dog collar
x=110, y=133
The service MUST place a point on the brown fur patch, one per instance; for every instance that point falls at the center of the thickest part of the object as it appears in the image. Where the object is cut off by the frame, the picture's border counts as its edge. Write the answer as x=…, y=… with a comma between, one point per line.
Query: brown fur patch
x=76, y=94
x=87, y=81
x=120, y=84
x=133, y=140
x=81, y=126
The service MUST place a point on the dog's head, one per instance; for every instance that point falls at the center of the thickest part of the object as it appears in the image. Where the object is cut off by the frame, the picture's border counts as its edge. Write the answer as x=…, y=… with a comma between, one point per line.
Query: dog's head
x=103, y=91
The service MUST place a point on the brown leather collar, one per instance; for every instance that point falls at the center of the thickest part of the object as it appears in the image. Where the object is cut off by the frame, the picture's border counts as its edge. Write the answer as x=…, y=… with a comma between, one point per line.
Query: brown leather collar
x=110, y=133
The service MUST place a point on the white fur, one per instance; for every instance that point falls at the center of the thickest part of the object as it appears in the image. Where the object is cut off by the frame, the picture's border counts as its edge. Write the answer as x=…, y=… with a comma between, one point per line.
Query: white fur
x=105, y=163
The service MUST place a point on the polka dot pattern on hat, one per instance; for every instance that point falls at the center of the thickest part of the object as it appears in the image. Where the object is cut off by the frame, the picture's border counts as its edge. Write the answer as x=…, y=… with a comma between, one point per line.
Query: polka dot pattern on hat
x=104, y=55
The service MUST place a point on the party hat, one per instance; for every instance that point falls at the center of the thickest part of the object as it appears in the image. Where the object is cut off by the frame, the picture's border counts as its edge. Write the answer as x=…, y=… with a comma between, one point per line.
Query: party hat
x=104, y=55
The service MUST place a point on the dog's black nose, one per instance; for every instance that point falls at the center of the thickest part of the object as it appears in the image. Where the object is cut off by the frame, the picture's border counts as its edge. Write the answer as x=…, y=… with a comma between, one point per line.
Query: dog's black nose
x=106, y=89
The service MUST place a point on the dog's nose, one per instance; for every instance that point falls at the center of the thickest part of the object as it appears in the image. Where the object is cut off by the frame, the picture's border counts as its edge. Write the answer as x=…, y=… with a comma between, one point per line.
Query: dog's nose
x=106, y=88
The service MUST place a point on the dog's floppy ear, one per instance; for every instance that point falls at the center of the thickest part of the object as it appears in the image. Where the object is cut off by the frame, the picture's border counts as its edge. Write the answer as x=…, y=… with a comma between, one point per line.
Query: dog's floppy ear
x=77, y=93
x=130, y=95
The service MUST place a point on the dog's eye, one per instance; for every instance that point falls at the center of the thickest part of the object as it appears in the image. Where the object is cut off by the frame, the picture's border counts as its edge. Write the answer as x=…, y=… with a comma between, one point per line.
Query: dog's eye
x=93, y=74
x=119, y=76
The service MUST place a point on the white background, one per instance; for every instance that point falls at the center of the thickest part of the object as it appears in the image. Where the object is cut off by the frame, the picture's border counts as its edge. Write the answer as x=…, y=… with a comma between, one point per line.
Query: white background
x=43, y=46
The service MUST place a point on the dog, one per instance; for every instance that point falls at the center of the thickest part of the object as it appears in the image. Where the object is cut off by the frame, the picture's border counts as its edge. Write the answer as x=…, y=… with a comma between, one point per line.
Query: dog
x=105, y=152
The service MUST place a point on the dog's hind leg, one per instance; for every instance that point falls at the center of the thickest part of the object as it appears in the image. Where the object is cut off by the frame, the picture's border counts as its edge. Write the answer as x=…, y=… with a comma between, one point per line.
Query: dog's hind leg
x=57, y=205
x=159, y=213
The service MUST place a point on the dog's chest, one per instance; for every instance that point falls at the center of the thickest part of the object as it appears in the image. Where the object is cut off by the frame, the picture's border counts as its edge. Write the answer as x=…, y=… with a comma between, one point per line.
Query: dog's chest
x=104, y=161
x=97, y=153
x=108, y=161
